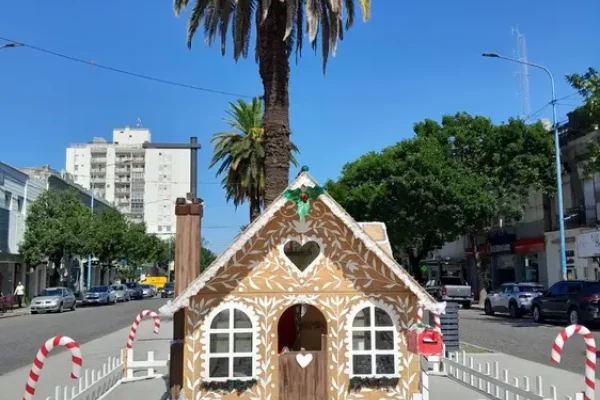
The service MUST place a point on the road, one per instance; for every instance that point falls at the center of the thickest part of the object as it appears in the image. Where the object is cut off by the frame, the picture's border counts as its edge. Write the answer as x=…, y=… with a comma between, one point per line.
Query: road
x=521, y=338
x=21, y=337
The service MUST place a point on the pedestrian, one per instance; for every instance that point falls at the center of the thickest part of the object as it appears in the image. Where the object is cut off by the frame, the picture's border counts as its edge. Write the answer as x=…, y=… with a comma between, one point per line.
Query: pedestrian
x=20, y=293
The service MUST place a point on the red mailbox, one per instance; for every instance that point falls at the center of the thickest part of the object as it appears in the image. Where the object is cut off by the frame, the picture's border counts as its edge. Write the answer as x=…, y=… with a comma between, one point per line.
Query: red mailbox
x=425, y=342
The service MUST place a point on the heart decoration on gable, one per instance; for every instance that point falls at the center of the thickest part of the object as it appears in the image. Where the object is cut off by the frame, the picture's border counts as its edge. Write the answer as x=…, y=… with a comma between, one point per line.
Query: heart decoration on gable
x=301, y=255
x=304, y=359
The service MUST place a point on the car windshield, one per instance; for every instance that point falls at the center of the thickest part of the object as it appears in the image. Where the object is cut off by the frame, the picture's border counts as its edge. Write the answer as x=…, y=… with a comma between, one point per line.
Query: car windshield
x=169, y=286
x=131, y=285
x=118, y=287
x=531, y=288
x=145, y=286
x=453, y=281
x=51, y=292
x=99, y=289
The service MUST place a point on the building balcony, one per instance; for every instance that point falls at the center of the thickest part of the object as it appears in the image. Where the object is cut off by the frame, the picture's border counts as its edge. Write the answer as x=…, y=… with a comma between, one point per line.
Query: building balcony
x=12, y=228
x=125, y=191
x=98, y=160
x=98, y=179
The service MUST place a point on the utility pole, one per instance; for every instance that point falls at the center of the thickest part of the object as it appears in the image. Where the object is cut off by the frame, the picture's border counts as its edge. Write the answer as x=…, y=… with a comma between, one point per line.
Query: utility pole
x=188, y=245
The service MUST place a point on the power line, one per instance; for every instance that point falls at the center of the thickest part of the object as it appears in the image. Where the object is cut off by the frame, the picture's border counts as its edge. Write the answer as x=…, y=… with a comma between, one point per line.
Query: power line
x=125, y=72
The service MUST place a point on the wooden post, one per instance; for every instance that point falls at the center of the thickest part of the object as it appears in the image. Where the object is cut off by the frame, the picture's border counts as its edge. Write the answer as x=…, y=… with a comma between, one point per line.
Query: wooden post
x=188, y=244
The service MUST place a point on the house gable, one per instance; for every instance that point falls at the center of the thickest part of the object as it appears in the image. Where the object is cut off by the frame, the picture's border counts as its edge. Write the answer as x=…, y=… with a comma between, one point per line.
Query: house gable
x=349, y=256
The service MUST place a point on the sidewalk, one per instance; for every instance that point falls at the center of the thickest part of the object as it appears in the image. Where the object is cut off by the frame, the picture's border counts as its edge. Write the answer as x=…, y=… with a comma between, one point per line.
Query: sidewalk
x=57, y=367
x=15, y=312
x=444, y=388
x=152, y=389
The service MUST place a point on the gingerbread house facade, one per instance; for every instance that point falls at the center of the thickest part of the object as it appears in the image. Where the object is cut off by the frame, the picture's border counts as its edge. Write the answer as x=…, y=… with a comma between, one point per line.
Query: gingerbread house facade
x=302, y=308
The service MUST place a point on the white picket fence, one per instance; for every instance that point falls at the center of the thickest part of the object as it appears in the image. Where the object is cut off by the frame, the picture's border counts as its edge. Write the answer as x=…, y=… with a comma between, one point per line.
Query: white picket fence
x=494, y=382
x=96, y=385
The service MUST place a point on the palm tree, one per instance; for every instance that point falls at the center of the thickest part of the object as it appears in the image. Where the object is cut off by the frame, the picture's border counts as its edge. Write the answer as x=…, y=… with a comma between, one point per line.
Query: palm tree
x=279, y=33
x=241, y=155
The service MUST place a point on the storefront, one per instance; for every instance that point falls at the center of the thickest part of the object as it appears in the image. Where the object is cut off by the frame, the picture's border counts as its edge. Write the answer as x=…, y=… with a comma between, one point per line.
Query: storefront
x=530, y=258
x=577, y=267
x=503, y=260
x=588, y=247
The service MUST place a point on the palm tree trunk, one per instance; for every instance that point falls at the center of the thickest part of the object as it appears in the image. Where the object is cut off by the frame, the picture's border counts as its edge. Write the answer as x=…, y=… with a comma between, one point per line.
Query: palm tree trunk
x=275, y=73
x=254, y=209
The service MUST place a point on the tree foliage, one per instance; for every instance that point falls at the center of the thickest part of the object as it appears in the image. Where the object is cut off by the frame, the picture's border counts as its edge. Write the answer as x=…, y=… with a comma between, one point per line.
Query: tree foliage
x=450, y=179
x=241, y=155
x=583, y=118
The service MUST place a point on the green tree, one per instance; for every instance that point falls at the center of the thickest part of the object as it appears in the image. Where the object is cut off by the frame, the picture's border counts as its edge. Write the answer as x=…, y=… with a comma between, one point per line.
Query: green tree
x=106, y=236
x=452, y=179
x=583, y=118
x=207, y=256
x=241, y=155
x=279, y=33
x=56, y=226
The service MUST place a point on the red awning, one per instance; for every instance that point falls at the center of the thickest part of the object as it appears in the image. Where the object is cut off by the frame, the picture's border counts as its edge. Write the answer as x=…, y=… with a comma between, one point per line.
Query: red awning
x=526, y=246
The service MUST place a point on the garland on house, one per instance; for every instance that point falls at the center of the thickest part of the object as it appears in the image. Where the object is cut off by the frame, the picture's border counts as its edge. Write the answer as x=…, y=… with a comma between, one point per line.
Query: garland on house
x=358, y=383
x=230, y=385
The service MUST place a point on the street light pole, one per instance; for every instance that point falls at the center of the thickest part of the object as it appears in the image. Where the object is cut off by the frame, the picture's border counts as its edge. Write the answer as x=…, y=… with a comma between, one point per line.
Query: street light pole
x=89, y=266
x=559, y=189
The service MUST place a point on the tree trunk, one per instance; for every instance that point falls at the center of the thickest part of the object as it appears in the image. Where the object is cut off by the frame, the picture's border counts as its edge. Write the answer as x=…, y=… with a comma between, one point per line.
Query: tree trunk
x=254, y=209
x=478, y=270
x=275, y=73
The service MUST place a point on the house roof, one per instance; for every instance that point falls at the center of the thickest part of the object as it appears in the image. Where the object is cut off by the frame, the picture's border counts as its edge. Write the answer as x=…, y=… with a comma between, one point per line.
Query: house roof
x=304, y=178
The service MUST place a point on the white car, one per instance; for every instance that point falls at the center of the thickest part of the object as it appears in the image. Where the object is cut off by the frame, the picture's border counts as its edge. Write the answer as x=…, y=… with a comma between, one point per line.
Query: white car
x=512, y=298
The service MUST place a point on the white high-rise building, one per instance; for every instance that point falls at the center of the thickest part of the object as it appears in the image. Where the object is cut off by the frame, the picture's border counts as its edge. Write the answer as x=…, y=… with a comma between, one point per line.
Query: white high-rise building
x=142, y=183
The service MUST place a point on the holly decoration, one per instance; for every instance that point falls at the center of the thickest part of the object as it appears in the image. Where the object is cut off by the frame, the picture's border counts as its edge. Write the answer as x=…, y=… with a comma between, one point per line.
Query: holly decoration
x=302, y=196
x=230, y=385
x=358, y=383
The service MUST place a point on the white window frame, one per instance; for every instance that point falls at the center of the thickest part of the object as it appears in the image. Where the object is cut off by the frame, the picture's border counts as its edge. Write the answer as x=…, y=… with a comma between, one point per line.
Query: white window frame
x=373, y=352
x=231, y=331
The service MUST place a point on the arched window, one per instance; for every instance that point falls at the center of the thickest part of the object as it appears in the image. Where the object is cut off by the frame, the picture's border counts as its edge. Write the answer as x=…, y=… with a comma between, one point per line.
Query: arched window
x=373, y=348
x=230, y=346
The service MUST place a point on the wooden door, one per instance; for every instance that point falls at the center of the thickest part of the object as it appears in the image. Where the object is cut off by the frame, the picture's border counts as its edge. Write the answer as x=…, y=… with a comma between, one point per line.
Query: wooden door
x=303, y=374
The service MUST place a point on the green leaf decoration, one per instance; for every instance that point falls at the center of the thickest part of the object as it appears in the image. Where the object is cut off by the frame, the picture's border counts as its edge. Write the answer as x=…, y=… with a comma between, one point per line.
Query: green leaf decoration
x=302, y=196
x=357, y=383
x=230, y=385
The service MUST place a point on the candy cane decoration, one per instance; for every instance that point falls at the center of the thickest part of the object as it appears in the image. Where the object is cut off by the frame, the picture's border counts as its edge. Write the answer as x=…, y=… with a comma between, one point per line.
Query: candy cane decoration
x=437, y=323
x=590, y=355
x=136, y=322
x=42, y=354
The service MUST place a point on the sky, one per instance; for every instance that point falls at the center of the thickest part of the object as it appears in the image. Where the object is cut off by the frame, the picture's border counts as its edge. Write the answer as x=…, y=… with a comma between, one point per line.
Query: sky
x=411, y=61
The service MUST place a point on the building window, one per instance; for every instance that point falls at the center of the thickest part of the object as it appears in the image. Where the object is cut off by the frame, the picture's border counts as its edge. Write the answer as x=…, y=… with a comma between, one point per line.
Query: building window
x=374, y=347
x=160, y=228
x=168, y=228
x=20, y=204
x=8, y=200
x=76, y=167
x=230, y=346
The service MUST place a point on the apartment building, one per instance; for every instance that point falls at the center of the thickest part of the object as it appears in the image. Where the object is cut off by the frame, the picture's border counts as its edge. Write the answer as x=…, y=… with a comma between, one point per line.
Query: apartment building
x=142, y=183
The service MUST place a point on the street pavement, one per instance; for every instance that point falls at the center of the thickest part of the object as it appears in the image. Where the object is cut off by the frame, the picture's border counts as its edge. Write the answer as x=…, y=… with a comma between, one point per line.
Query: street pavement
x=521, y=338
x=56, y=371
x=21, y=337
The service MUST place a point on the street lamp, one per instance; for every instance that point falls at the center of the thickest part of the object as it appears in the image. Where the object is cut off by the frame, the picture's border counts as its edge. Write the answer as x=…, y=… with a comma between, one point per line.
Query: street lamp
x=561, y=214
x=10, y=45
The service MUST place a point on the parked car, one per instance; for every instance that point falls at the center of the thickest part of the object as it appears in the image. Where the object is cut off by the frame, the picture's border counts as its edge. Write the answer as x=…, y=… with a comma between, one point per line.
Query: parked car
x=54, y=299
x=168, y=290
x=100, y=295
x=512, y=298
x=451, y=288
x=148, y=291
x=121, y=292
x=135, y=290
x=576, y=301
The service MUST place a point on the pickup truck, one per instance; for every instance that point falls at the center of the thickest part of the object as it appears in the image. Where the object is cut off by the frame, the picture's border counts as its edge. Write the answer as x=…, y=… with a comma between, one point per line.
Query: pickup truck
x=451, y=288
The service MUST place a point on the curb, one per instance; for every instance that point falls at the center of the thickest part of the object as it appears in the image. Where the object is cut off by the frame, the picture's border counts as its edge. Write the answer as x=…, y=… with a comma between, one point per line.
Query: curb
x=13, y=314
x=482, y=348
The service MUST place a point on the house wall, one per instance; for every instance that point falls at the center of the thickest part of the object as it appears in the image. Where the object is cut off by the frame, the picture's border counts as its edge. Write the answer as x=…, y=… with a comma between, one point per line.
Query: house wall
x=342, y=280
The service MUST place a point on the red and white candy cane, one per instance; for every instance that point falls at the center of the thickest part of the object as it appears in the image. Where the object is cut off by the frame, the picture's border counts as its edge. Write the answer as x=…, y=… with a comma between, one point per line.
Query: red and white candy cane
x=437, y=323
x=42, y=354
x=590, y=355
x=136, y=323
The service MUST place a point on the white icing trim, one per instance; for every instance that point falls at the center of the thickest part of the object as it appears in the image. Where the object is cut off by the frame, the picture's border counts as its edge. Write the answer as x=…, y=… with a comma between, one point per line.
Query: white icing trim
x=373, y=303
x=231, y=305
x=183, y=300
x=303, y=239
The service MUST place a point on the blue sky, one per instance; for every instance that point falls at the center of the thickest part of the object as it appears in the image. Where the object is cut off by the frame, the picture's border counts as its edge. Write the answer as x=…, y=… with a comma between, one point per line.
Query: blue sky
x=412, y=60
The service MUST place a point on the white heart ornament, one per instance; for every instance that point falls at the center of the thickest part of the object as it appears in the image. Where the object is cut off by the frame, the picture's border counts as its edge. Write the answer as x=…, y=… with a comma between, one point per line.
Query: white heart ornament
x=304, y=359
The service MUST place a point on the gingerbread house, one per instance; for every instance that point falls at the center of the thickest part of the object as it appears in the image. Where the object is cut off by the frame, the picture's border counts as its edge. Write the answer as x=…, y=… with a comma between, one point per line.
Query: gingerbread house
x=305, y=304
